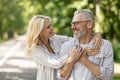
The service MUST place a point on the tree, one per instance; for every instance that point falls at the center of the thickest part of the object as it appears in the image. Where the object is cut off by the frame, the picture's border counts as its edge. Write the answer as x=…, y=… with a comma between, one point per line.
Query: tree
x=11, y=18
x=16, y=14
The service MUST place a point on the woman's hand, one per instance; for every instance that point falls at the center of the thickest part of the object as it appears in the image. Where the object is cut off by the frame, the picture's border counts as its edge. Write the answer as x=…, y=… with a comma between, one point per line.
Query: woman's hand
x=91, y=51
x=97, y=45
x=97, y=41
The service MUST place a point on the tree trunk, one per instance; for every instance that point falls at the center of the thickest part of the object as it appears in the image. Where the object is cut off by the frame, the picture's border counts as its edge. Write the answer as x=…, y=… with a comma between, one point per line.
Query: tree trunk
x=97, y=25
x=10, y=34
x=1, y=35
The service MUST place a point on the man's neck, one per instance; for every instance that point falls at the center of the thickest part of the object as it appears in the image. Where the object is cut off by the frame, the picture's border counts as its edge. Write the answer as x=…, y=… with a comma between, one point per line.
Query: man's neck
x=86, y=39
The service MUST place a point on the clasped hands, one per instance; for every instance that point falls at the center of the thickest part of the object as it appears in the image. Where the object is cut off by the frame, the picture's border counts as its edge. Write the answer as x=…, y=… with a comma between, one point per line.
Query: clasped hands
x=80, y=54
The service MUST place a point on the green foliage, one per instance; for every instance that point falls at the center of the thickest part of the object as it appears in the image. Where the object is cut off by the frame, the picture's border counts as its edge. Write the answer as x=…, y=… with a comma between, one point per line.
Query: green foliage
x=116, y=48
x=15, y=15
x=10, y=18
x=117, y=77
x=111, y=18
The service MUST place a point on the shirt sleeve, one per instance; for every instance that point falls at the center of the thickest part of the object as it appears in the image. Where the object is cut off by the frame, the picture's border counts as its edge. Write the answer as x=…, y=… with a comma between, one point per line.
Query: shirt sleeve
x=63, y=39
x=107, y=69
x=59, y=77
x=42, y=58
x=64, y=51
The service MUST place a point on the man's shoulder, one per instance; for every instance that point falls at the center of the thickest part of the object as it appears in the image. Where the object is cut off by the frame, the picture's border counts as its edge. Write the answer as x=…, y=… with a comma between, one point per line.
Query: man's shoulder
x=106, y=48
x=106, y=42
x=106, y=45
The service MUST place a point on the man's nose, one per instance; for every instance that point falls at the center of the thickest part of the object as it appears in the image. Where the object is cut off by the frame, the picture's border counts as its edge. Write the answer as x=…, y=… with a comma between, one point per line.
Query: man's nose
x=73, y=26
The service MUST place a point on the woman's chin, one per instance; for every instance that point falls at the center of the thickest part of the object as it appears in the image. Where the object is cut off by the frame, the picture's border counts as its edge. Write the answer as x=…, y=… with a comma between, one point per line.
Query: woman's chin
x=52, y=35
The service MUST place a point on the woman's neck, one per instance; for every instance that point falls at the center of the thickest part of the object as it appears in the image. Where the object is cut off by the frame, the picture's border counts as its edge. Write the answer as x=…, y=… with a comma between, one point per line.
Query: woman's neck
x=46, y=42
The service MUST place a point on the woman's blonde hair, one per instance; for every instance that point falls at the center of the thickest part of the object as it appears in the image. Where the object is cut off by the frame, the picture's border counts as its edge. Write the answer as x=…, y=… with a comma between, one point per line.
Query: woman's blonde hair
x=35, y=27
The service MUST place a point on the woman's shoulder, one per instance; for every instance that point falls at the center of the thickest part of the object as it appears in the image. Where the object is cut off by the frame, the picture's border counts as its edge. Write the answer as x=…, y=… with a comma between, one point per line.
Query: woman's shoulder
x=37, y=48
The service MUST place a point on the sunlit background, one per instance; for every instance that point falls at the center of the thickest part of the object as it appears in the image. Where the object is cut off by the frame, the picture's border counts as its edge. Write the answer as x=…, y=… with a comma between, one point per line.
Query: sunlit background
x=15, y=15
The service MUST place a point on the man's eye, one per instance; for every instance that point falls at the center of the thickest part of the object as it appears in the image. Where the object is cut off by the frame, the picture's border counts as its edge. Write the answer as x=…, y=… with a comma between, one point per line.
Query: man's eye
x=76, y=23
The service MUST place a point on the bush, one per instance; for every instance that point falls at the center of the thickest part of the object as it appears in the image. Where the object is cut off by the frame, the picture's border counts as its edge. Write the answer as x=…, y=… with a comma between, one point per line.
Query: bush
x=116, y=48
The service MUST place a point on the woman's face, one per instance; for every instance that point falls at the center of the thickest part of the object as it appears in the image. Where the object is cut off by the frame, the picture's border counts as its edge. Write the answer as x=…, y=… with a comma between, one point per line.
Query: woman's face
x=48, y=30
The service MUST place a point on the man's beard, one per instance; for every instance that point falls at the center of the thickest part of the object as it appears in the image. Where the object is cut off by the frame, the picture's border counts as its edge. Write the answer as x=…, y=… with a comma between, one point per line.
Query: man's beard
x=81, y=34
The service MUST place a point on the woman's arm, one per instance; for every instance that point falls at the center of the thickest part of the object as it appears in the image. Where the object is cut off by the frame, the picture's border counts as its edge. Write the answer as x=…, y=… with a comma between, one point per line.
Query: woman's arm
x=98, y=42
x=42, y=58
x=62, y=38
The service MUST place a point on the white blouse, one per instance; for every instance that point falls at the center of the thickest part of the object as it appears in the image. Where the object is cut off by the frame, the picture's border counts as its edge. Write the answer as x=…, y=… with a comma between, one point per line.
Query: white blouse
x=47, y=63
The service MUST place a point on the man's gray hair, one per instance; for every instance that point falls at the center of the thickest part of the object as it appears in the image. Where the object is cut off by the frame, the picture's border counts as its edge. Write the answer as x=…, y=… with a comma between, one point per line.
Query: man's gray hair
x=87, y=13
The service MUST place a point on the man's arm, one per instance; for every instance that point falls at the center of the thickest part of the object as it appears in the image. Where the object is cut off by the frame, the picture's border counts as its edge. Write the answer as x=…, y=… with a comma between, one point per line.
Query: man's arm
x=95, y=69
x=66, y=69
x=105, y=69
x=74, y=56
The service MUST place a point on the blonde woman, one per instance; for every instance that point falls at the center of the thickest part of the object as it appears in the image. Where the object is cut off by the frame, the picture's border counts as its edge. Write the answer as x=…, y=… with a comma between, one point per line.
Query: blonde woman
x=44, y=46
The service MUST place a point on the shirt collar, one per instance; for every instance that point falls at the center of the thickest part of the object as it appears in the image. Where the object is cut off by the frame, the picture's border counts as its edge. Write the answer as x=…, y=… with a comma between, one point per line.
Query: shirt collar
x=76, y=42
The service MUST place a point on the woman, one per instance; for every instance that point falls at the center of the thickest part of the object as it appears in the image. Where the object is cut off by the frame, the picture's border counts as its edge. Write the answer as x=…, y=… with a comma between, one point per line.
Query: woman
x=44, y=46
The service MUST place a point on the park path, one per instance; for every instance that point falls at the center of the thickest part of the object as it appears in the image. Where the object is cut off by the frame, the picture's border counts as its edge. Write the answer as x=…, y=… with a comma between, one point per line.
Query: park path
x=14, y=64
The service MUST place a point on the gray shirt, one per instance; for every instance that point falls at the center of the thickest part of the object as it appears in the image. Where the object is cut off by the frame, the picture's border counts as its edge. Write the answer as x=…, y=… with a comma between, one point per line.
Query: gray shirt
x=104, y=59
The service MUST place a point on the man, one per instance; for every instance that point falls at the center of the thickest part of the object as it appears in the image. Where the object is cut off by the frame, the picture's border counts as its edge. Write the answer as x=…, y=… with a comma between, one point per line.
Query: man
x=89, y=66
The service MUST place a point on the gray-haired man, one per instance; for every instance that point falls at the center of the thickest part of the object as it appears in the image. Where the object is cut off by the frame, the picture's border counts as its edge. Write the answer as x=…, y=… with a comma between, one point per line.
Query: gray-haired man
x=89, y=66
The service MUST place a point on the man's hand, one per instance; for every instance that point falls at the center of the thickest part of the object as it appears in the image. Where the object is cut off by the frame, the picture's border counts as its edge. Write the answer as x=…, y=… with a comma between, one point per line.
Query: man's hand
x=75, y=54
x=83, y=57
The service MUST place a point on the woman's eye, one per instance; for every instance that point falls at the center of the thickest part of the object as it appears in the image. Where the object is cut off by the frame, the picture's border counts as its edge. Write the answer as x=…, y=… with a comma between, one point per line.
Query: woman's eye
x=48, y=26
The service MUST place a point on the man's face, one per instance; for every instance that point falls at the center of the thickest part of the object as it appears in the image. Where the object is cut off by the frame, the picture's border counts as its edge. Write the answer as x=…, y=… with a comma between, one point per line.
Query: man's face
x=79, y=26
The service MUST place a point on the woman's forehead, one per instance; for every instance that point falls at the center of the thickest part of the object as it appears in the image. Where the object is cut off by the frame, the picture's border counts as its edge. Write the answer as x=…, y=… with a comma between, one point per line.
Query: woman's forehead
x=47, y=22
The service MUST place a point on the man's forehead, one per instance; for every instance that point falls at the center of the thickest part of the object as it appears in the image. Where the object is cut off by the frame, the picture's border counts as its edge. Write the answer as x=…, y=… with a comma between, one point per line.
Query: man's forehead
x=78, y=17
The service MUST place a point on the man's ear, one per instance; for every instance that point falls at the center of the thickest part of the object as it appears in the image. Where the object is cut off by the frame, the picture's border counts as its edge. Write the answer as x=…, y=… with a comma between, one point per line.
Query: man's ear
x=89, y=24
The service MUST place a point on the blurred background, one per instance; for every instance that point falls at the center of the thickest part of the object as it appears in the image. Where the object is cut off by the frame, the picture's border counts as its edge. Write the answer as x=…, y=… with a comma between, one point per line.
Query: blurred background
x=14, y=18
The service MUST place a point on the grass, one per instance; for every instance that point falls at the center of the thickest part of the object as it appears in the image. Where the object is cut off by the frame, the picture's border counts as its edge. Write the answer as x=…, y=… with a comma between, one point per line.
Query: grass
x=116, y=77
x=2, y=41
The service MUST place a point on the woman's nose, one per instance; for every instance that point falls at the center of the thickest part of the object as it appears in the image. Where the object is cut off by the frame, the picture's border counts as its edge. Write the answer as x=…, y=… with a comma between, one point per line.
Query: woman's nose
x=52, y=27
